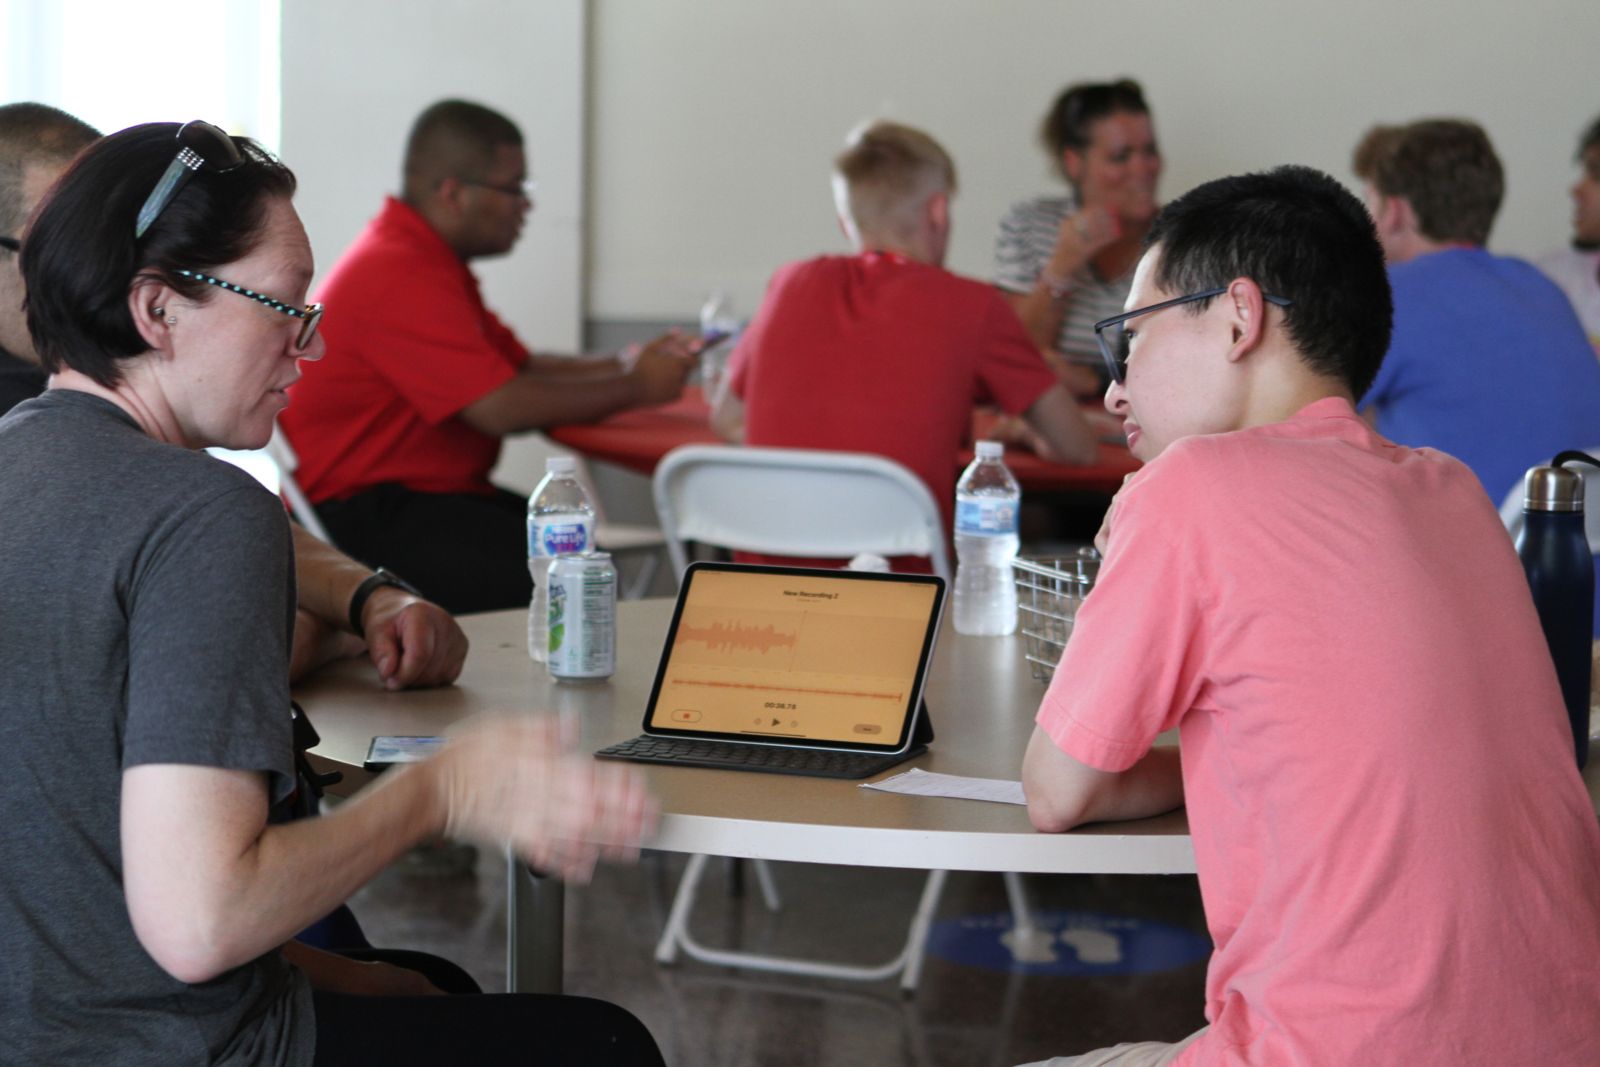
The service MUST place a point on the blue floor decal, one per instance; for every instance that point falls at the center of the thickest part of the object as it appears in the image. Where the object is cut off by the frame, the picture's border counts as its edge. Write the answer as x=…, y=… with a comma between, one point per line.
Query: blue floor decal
x=1078, y=943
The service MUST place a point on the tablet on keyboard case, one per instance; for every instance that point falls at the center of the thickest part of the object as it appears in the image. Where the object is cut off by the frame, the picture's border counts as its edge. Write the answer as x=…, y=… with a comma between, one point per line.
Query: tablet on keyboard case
x=792, y=670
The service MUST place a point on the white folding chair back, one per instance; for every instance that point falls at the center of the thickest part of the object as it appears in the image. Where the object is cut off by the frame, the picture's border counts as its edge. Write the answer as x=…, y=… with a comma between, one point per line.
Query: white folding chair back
x=522, y=464
x=795, y=502
x=274, y=467
x=1511, y=507
x=278, y=448
x=806, y=503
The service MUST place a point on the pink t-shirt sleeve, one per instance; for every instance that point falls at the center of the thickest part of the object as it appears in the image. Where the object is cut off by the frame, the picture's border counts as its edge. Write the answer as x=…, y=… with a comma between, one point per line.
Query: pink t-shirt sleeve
x=1011, y=373
x=1132, y=666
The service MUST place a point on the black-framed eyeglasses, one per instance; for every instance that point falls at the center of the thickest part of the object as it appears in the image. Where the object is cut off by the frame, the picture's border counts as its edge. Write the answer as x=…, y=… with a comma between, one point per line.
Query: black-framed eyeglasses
x=200, y=144
x=1112, y=334
x=311, y=314
x=523, y=190
x=10, y=244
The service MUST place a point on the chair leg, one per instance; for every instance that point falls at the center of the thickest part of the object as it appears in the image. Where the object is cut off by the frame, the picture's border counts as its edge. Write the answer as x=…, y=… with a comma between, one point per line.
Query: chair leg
x=677, y=927
x=917, y=936
x=639, y=587
x=1028, y=942
x=769, y=885
x=675, y=936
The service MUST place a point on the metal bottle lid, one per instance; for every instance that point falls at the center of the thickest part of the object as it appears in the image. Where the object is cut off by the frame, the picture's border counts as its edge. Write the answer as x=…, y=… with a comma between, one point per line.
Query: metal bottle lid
x=1553, y=489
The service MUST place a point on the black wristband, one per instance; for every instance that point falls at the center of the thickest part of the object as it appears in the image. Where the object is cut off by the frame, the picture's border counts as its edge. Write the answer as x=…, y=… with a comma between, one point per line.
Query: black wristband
x=364, y=591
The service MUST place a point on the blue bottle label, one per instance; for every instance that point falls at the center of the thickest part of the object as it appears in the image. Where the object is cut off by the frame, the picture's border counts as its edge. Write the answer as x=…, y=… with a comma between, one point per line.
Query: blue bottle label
x=557, y=538
x=986, y=516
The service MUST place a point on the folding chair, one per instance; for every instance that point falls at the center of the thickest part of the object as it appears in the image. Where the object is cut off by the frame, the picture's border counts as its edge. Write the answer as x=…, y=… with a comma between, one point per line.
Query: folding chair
x=274, y=467
x=800, y=502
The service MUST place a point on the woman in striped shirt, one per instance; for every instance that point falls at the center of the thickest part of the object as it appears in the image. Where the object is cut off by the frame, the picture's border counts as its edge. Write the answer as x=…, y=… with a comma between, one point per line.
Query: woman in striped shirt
x=1065, y=262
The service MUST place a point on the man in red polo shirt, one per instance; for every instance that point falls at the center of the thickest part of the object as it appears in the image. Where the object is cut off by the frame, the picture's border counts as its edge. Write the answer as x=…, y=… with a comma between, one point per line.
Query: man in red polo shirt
x=398, y=427
x=885, y=351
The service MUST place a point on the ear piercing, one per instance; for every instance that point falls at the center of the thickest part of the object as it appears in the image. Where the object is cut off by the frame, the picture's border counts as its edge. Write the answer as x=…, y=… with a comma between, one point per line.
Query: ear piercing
x=159, y=311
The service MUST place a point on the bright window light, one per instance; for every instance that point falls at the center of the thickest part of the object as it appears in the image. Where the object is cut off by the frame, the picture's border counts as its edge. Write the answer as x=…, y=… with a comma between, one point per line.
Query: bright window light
x=114, y=64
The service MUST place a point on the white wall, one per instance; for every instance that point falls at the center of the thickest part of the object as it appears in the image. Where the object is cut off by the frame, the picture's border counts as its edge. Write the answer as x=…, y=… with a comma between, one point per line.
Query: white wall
x=682, y=145
x=712, y=122
x=357, y=72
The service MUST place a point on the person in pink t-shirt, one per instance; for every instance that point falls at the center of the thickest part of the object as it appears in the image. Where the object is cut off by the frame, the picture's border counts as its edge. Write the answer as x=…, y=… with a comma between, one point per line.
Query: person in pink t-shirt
x=1398, y=859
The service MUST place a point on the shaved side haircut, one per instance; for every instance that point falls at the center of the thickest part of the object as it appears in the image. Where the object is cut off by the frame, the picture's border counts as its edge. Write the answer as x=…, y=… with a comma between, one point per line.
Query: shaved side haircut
x=886, y=174
x=453, y=139
x=31, y=135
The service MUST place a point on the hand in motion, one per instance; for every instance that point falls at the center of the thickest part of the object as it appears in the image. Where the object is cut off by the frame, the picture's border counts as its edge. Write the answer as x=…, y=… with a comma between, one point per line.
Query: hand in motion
x=517, y=779
x=1082, y=234
x=413, y=642
x=662, y=367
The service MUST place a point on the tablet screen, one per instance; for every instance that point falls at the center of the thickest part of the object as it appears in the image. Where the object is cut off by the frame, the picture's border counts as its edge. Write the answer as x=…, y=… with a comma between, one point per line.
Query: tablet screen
x=793, y=655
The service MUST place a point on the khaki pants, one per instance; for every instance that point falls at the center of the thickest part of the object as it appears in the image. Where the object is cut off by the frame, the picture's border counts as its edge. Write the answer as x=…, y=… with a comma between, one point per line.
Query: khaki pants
x=1142, y=1054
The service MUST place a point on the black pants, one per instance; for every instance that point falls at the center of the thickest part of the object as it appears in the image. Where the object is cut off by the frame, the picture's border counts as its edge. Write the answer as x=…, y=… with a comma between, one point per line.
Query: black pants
x=464, y=551
x=488, y=1030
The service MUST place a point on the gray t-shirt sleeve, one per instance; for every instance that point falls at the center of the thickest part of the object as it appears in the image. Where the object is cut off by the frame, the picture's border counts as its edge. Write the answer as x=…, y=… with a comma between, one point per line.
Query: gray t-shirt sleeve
x=209, y=626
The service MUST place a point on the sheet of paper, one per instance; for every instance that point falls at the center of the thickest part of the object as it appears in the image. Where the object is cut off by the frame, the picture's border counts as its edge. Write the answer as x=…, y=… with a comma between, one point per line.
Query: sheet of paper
x=918, y=782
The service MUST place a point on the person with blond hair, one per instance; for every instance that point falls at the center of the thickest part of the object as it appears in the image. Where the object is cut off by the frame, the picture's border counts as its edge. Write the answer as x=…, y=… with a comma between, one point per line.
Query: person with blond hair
x=884, y=350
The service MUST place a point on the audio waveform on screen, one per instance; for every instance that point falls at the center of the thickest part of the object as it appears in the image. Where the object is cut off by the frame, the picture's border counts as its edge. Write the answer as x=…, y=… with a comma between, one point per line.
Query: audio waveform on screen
x=708, y=683
x=718, y=637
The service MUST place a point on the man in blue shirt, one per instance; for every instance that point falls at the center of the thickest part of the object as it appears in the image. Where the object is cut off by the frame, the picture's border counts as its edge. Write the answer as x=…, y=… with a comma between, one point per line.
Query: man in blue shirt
x=1488, y=361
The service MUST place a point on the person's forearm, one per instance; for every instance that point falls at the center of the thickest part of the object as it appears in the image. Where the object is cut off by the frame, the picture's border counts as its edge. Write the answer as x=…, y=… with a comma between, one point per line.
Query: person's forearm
x=317, y=643
x=236, y=906
x=1057, y=417
x=1063, y=793
x=1041, y=313
x=527, y=403
x=1150, y=787
x=549, y=367
x=727, y=413
x=325, y=579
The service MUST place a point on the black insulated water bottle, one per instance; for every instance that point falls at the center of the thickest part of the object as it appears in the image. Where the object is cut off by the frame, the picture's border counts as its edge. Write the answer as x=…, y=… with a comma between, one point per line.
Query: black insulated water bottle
x=1555, y=553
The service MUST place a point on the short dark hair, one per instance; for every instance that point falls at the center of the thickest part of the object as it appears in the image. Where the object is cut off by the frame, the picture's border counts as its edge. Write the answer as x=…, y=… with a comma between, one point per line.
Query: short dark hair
x=453, y=139
x=1298, y=234
x=1080, y=106
x=1446, y=169
x=32, y=134
x=81, y=256
x=1590, y=138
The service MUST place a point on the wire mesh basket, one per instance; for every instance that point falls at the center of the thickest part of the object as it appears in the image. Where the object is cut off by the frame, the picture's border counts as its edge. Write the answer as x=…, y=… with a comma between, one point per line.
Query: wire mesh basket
x=1049, y=592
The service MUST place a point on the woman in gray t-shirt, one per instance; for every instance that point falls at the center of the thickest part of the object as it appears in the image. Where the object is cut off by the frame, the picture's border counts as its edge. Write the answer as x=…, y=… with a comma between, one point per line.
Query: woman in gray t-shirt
x=146, y=606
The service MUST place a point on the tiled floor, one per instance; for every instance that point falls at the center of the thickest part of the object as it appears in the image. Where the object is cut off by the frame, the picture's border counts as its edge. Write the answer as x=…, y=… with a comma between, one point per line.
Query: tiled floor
x=710, y=1016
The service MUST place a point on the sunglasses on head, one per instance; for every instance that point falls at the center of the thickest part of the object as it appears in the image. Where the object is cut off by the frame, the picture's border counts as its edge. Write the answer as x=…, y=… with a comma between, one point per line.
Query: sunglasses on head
x=200, y=144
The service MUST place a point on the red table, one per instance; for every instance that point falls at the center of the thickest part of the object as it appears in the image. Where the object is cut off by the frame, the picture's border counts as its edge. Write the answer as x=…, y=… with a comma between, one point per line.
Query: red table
x=638, y=439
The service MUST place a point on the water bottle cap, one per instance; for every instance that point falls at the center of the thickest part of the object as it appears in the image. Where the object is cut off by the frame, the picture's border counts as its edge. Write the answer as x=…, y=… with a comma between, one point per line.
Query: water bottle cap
x=1553, y=489
x=561, y=465
x=989, y=449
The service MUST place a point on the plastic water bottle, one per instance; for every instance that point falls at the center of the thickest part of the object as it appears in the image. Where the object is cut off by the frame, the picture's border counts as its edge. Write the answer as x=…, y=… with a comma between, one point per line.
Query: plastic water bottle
x=720, y=330
x=560, y=523
x=1555, y=552
x=987, y=501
